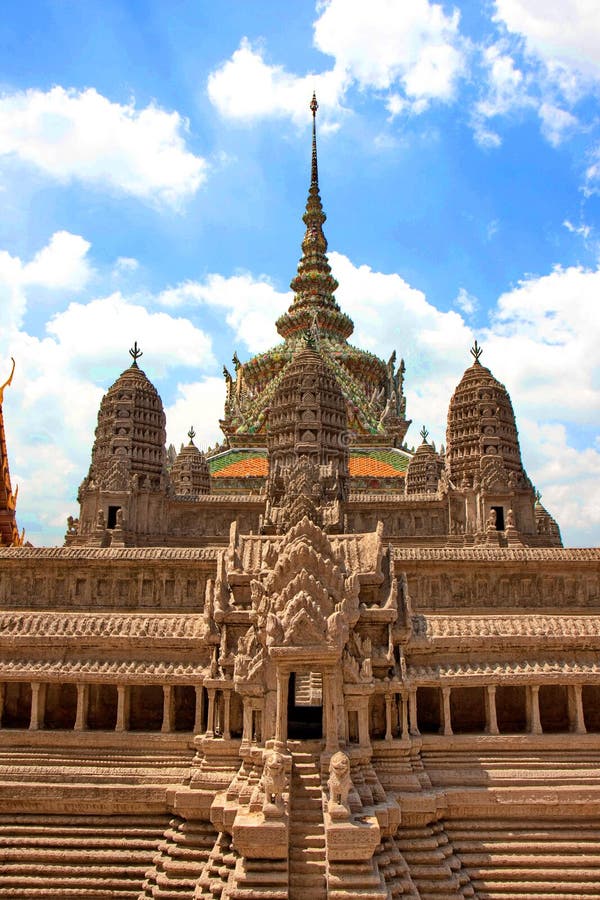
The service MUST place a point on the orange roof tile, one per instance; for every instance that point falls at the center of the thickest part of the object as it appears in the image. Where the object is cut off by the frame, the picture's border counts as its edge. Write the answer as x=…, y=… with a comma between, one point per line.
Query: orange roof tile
x=367, y=467
x=256, y=466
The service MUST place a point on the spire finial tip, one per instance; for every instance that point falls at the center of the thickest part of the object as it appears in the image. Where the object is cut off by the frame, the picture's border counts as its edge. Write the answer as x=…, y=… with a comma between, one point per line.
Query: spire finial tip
x=135, y=354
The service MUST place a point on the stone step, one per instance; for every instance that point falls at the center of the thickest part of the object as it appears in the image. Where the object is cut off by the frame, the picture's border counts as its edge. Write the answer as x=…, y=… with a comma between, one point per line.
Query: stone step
x=64, y=893
x=513, y=890
x=534, y=859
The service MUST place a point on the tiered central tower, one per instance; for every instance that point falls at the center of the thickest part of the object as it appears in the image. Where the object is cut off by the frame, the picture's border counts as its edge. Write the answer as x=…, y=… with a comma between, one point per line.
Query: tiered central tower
x=372, y=389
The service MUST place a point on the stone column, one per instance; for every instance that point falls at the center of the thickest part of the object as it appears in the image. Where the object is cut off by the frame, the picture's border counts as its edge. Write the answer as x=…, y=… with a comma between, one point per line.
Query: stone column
x=533, y=709
x=210, y=723
x=446, y=715
x=83, y=693
x=38, y=704
x=412, y=705
x=199, y=711
x=247, y=720
x=388, y=717
x=330, y=713
x=283, y=683
x=257, y=725
x=226, y=724
x=576, y=717
x=405, y=730
x=363, y=723
x=491, y=719
x=168, y=722
x=123, y=702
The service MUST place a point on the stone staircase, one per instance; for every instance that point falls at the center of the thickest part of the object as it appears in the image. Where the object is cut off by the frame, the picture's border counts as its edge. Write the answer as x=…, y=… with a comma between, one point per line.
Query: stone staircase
x=309, y=689
x=394, y=871
x=449, y=767
x=307, y=863
x=180, y=861
x=80, y=857
x=117, y=766
x=435, y=869
x=545, y=859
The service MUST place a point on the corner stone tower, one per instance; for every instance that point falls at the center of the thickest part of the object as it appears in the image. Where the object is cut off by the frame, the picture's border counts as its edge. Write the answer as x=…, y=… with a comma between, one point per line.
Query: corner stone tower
x=128, y=456
x=483, y=459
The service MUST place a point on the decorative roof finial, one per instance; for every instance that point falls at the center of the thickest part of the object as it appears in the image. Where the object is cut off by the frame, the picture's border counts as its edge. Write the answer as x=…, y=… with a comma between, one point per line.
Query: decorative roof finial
x=191, y=434
x=135, y=353
x=8, y=381
x=314, y=172
x=476, y=351
x=424, y=434
x=538, y=496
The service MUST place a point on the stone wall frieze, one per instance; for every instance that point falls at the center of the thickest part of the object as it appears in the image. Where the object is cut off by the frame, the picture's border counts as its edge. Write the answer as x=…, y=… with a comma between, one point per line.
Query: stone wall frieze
x=108, y=626
x=99, y=670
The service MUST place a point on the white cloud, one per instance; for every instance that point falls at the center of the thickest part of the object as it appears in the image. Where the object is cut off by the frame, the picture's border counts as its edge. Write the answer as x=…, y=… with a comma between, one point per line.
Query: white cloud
x=81, y=135
x=583, y=230
x=571, y=479
x=245, y=88
x=592, y=173
x=252, y=305
x=466, y=302
x=548, y=329
x=201, y=404
x=382, y=43
x=62, y=263
x=556, y=123
x=412, y=50
x=114, y=321
x=505, y=91
x=564, y=33
x=126, y=264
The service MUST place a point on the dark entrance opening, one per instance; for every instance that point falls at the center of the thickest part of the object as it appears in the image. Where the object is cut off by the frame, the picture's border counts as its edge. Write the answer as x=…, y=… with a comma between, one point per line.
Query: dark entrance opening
x=499, y=510
x=112, y=516
x=305, y=706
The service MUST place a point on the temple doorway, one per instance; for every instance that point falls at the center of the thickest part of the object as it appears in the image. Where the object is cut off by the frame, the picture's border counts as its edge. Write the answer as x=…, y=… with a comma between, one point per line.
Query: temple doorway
x=305, y=706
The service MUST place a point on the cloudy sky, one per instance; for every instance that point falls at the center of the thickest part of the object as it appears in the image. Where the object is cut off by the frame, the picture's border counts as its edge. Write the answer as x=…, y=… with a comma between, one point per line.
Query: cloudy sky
x=154, y=161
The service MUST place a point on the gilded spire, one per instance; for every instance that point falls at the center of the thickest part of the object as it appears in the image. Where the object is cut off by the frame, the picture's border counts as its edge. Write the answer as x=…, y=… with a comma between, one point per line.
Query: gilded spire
x=314, y=171
x=314, y=285
x=9, y=533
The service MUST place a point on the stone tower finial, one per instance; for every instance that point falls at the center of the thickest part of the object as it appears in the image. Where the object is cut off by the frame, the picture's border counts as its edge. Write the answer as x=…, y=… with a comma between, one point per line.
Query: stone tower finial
x=424, y=434
x=135, y=354
x=476, y=351
x=191, y=434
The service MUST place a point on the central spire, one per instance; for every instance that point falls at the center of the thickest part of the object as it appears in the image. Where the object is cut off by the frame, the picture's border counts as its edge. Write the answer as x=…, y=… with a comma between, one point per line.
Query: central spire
x=314, y=285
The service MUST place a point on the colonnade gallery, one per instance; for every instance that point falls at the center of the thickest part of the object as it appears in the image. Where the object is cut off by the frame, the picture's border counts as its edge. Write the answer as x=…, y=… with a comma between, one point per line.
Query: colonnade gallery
x=308, y=662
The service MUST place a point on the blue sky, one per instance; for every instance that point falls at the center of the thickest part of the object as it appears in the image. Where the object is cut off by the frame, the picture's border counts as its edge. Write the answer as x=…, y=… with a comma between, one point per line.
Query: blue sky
x=154, y=162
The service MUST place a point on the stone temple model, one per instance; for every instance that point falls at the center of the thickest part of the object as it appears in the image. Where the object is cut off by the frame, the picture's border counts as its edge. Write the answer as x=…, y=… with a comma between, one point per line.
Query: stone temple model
x=308, y=663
